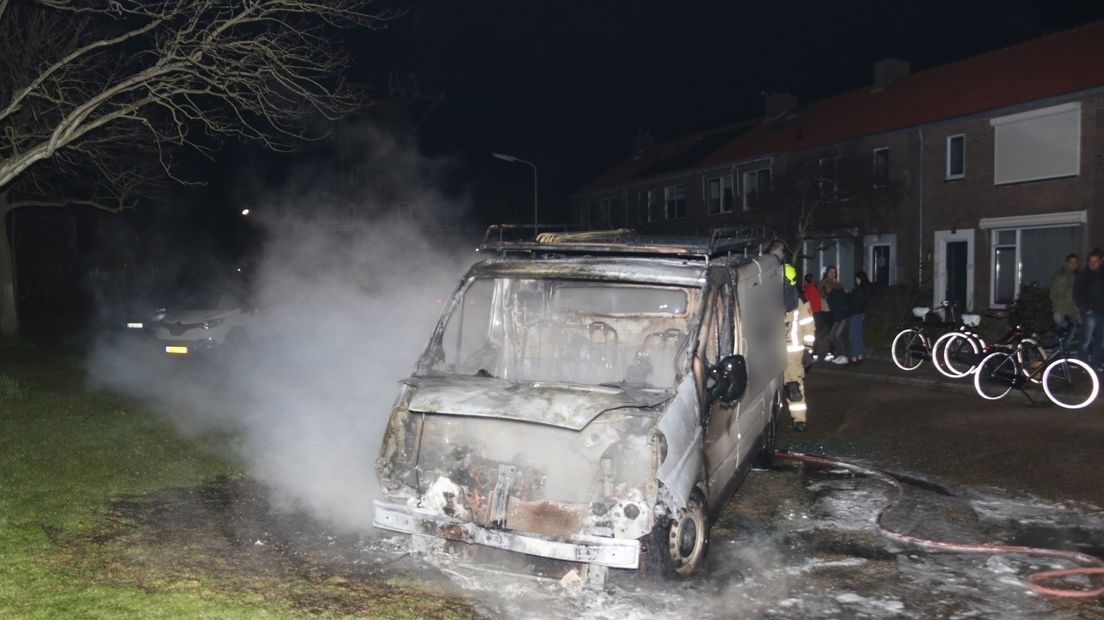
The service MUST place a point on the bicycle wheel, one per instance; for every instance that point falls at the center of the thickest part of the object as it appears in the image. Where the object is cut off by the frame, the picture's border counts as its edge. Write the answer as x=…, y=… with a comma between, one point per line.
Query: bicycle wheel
x=937, y=348
x=1031, y=357
x=909, y=349
x=960, y=355
x=996, y=375
x=1070, y=383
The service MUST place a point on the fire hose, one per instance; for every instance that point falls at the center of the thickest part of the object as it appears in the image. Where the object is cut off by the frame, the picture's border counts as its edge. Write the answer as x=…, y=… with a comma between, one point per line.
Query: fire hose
x=1093, y=565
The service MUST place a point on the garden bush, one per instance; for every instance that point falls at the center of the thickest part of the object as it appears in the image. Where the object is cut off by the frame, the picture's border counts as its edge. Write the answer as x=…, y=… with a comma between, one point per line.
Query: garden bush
x=889, y=309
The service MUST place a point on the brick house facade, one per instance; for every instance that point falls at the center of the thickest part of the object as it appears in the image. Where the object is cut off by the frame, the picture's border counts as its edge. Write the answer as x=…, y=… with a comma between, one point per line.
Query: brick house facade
x=970, y=180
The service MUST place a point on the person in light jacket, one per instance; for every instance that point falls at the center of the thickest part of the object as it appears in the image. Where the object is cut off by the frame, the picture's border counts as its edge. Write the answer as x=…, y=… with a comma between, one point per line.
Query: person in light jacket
x=1061, y=298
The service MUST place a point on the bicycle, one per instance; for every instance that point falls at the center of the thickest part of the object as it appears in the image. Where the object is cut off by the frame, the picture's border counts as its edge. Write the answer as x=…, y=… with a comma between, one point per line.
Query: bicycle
x=961, y=351
x=912, y=345
x=965, y=340
x=1067, y=381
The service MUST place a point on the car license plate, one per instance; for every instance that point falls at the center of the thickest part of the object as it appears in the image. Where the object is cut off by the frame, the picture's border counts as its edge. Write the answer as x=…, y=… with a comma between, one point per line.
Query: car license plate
x=176, y=350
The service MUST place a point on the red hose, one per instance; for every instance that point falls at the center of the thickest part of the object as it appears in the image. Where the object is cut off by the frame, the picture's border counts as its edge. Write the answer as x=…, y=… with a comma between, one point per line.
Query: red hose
x=1095, y=566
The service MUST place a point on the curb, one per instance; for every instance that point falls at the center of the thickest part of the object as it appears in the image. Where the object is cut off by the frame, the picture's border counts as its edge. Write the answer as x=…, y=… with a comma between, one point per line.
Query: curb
x=942, y=384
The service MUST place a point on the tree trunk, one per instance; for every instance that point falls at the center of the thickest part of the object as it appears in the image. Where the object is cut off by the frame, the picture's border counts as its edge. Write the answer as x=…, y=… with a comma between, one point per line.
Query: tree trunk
x=9, y=317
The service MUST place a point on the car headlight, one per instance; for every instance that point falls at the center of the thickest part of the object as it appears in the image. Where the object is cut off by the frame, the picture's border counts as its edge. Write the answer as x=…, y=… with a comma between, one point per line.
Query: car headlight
x=212, y=323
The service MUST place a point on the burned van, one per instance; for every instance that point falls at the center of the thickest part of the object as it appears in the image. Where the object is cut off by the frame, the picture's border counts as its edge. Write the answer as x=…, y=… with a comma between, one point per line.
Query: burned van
x=590, y=401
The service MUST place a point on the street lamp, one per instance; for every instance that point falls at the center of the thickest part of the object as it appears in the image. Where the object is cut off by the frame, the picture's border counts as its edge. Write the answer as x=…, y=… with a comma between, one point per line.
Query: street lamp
x=511, y=158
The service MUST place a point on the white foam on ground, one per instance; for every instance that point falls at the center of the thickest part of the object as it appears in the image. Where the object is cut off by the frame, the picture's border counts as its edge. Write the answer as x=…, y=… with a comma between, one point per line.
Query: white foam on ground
x=772, y=576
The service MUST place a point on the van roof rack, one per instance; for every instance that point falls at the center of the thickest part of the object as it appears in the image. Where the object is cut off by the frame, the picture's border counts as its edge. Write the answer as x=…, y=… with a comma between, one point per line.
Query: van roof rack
x=559, y=240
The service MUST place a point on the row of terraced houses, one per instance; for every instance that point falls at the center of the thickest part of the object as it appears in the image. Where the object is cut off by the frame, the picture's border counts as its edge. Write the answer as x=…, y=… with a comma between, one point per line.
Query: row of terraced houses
x=970, y=179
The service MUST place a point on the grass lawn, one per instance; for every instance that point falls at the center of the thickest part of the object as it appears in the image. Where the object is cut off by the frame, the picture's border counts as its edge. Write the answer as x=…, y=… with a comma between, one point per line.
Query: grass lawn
x=66, y=454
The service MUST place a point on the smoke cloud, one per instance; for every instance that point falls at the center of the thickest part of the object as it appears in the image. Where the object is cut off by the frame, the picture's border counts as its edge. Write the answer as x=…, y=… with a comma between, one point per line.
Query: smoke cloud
x=347, y=293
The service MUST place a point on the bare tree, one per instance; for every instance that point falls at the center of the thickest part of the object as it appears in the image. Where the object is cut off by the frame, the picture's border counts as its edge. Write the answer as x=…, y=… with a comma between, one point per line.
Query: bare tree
x=829, y=193
x=82, y=81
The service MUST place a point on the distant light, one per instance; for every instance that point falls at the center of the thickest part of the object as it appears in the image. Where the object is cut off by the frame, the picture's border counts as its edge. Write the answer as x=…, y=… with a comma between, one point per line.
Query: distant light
x=135, y=325
x=245, y=211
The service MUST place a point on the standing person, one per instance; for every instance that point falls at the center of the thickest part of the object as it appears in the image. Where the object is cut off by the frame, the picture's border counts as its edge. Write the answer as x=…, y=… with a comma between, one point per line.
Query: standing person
x=1061, y=298
x=1088, y=294
x=860, y=297
x=799, y=335
x=812, y=295
x=834, y=297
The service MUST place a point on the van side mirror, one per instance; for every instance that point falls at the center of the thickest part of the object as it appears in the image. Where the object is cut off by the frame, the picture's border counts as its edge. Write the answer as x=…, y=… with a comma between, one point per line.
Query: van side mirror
x=729, y=379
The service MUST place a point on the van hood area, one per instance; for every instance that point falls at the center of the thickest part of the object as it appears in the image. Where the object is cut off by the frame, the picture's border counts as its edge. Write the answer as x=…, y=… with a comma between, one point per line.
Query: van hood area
x=562, y=405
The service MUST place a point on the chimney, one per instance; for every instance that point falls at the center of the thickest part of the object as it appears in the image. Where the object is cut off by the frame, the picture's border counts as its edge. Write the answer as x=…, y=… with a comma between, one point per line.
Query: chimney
x=777, y=104
x=888, y=71
x=642, y=145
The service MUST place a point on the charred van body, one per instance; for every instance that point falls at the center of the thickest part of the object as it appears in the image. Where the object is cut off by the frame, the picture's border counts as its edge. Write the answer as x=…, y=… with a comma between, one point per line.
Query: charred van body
x=590, y=400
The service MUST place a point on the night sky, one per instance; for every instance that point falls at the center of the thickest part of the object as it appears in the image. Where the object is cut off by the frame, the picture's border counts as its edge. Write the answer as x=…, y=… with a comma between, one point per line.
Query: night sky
x=566, y=84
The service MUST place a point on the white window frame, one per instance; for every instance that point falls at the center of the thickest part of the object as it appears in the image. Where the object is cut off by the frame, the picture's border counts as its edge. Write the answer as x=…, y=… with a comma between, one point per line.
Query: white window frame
x=721, y=206
x=670, y=201
x=744, y=183
x=875, y=241
x=606, y=207
x=951, y=176
x=644, y=201
x=1020, y=223
x=835, y=255
x=874, y=167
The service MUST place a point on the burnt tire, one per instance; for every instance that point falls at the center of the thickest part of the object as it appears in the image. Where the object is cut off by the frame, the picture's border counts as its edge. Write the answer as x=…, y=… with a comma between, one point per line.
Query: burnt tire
x=677, y=546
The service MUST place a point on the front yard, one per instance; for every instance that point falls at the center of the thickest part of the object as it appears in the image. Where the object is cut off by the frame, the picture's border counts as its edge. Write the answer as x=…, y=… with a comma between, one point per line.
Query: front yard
x=105, y=511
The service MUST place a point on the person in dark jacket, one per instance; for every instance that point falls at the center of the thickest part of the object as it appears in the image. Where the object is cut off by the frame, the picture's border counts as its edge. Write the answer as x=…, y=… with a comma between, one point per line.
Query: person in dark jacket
x=839, y=310
x=826, y=287
x=1088, y=294
x=860, y=298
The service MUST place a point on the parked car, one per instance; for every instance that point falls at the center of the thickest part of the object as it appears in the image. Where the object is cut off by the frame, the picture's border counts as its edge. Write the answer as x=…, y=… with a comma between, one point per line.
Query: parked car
x=590, y=401
x=216, y=318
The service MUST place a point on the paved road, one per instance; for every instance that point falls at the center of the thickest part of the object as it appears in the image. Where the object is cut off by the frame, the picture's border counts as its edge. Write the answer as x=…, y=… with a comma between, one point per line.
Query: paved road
x=928, y=424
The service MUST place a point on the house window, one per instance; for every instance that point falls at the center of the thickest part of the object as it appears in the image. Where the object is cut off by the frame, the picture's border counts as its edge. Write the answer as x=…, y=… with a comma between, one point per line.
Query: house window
x=644, y=203
x=607, y=208
x=586, y=213
x=756, y=183
x=720, y=193
x=1039, y=144
x=956, y=156
x=674, y=201
x=1024, y=256
x=819, y=254
x=881, y=167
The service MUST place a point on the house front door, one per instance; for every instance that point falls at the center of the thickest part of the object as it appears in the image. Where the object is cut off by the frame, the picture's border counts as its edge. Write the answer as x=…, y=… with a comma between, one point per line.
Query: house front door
x=954, y=268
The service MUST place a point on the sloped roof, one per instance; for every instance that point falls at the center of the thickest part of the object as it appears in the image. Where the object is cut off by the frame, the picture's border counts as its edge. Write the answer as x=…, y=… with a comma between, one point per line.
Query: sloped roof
x=1065, y=62
x=670, y=156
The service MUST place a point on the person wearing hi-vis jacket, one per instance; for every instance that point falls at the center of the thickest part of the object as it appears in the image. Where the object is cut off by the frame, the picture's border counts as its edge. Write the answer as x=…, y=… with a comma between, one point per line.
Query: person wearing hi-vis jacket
x=800, y=335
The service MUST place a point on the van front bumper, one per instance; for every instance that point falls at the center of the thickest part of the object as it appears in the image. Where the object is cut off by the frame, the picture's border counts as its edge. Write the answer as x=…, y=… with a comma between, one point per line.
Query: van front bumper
x=611, y=552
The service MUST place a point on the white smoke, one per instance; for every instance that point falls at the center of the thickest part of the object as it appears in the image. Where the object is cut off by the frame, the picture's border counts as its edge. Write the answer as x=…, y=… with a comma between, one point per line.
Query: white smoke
x=346, y=304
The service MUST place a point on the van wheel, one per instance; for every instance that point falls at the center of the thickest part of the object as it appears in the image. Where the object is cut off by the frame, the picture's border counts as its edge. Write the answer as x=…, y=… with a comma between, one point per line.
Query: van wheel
x=678, y=545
